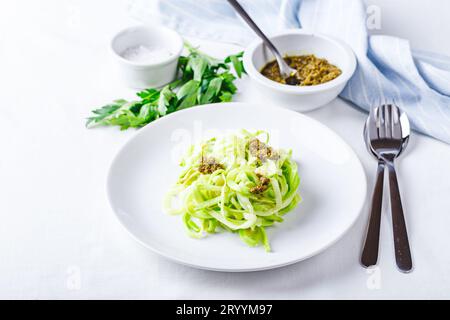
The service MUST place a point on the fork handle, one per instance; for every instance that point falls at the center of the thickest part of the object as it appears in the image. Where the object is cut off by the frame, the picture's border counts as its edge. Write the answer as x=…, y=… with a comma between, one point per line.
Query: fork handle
x=369, y=254
x=401, y=242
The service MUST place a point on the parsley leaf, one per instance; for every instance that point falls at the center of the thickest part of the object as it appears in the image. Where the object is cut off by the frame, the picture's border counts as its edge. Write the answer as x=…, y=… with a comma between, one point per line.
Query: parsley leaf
x=203, y=79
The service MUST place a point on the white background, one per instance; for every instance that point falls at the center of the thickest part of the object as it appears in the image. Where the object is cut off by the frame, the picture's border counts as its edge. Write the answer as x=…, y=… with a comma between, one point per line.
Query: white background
x=58, y=236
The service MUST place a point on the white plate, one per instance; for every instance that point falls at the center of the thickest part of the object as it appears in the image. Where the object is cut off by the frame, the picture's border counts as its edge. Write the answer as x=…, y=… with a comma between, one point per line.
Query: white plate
x=333, y=187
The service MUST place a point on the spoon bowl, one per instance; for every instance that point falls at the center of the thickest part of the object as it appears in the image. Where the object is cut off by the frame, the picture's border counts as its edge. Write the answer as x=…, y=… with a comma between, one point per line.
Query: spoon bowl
x=405, y=127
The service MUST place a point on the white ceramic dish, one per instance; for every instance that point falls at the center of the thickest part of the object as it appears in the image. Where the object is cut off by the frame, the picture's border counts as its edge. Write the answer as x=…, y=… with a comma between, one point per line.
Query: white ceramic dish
x=298, y=42
x=333, y=187
x=154, y=74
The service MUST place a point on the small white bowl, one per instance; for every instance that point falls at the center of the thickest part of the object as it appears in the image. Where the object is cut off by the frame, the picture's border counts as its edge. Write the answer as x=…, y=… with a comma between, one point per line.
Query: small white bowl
x=147, y=74
x=298, y=42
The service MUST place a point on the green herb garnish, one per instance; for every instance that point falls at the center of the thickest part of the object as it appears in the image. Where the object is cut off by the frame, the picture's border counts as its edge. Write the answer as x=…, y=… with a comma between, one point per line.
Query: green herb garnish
x=203, y=79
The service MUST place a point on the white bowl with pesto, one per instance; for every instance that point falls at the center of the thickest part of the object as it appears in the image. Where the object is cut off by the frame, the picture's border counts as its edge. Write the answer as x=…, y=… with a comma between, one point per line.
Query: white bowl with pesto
x=147, y=56
x=298, y=42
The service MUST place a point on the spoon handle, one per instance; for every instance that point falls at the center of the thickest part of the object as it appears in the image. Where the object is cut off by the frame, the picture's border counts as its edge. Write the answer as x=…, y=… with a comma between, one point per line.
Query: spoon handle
x=369, y=255
x=253, y=25
x=401, y=242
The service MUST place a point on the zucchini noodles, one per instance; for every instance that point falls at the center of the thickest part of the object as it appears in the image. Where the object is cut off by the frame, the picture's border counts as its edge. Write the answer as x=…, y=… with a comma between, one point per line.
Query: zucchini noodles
x=236, y=183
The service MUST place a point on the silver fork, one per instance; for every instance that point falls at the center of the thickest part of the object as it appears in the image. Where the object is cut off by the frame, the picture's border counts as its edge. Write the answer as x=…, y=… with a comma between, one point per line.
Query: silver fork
x=386, y=141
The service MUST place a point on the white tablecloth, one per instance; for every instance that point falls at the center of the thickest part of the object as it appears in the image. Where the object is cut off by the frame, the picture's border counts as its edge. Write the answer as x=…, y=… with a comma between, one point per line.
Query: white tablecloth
x=58, y=236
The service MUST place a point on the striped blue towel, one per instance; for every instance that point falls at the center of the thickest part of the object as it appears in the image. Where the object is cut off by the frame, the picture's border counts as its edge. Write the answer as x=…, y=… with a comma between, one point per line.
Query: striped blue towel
x=388, y=70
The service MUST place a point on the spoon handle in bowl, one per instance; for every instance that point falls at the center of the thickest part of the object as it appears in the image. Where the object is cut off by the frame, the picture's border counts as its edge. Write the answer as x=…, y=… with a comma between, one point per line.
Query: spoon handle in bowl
x=369, y=255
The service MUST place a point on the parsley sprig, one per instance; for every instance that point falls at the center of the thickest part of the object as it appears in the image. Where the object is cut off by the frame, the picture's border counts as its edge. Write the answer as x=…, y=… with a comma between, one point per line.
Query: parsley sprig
x=203, y=79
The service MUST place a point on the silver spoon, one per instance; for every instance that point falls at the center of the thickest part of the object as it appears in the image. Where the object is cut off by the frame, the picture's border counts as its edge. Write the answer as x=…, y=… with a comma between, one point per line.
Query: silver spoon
x=288, y=73
x=367, y=141
x=369, y=255
x=370, y=252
